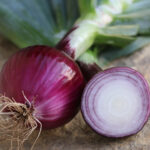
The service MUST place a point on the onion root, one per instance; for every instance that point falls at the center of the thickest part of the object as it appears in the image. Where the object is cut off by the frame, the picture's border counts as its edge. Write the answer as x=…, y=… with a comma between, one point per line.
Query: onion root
x=17, y=121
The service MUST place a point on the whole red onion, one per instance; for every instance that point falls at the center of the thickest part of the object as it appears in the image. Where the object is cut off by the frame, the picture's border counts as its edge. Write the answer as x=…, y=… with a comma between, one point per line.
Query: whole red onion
x=50, y=80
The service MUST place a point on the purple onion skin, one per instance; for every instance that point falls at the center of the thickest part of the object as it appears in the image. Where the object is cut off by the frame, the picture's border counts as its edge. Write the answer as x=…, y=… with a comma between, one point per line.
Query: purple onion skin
x=64, y=44
x=51, y=81
x=86, y=111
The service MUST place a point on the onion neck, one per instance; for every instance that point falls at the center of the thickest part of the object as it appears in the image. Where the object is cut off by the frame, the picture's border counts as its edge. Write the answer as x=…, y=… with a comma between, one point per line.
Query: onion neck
x=80, y=38
x=89, y=64
x=87, y=27
x=83, y=34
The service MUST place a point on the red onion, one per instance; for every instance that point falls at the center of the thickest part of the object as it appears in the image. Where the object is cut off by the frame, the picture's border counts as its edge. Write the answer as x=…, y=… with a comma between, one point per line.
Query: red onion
x=50, y=80
x=116, y=102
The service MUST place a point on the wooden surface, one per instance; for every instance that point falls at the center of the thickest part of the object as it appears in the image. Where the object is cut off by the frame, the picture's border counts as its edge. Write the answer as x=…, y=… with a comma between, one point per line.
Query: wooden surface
x=76, y=135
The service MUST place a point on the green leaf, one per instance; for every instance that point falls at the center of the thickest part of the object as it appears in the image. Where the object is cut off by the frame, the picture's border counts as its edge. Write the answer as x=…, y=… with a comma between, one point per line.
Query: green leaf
x=64, y=12
x=114, y=53
x=112, y=39
x=29, y=22
x=89, y=57
x=119, y=35
x=138, y=6
x=122, y=30
x=137, y=14
x=86, y=6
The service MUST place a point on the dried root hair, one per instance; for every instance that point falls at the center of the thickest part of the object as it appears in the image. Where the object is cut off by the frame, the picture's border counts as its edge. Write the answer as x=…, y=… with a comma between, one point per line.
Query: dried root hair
x=17, y=122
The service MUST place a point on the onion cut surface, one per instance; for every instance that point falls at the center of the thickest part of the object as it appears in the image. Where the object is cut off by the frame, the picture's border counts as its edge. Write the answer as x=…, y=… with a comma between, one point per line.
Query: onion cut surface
x=116, y=102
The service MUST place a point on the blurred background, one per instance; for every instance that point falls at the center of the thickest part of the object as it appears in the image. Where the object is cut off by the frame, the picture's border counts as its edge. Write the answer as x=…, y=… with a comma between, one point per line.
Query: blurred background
x=125, y=41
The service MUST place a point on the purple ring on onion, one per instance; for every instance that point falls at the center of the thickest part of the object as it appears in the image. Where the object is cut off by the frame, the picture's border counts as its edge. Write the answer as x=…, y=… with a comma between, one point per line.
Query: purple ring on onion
x=116, y=102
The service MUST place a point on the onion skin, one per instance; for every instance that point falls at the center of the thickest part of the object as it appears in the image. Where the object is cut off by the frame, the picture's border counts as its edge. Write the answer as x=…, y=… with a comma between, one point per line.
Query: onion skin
x=50, y=79
x=64, y=44
x=87, y=107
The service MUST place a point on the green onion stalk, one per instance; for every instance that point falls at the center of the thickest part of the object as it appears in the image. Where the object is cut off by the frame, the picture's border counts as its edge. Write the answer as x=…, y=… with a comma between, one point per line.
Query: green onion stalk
x=114, y=23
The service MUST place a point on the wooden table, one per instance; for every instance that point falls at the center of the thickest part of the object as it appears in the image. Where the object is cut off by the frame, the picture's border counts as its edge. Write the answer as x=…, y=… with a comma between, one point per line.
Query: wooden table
x=76, y=135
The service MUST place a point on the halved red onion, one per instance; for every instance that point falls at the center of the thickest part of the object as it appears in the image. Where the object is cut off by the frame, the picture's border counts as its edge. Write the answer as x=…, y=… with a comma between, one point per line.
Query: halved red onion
x=116, y=102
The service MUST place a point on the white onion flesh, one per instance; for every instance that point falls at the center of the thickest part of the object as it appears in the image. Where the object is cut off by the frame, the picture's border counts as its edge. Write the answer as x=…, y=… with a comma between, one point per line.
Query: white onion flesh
x=116, y=102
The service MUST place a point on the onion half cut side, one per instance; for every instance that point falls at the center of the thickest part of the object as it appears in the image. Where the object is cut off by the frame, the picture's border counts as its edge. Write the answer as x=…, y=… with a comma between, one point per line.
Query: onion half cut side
x=116, y=102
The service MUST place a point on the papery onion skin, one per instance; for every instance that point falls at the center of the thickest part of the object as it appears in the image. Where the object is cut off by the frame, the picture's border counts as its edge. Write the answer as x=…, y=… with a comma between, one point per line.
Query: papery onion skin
x=50, y=80
x=86, y=108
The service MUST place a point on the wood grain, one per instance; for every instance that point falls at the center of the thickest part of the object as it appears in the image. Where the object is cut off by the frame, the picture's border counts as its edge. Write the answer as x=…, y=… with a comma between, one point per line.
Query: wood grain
x=76, y=135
